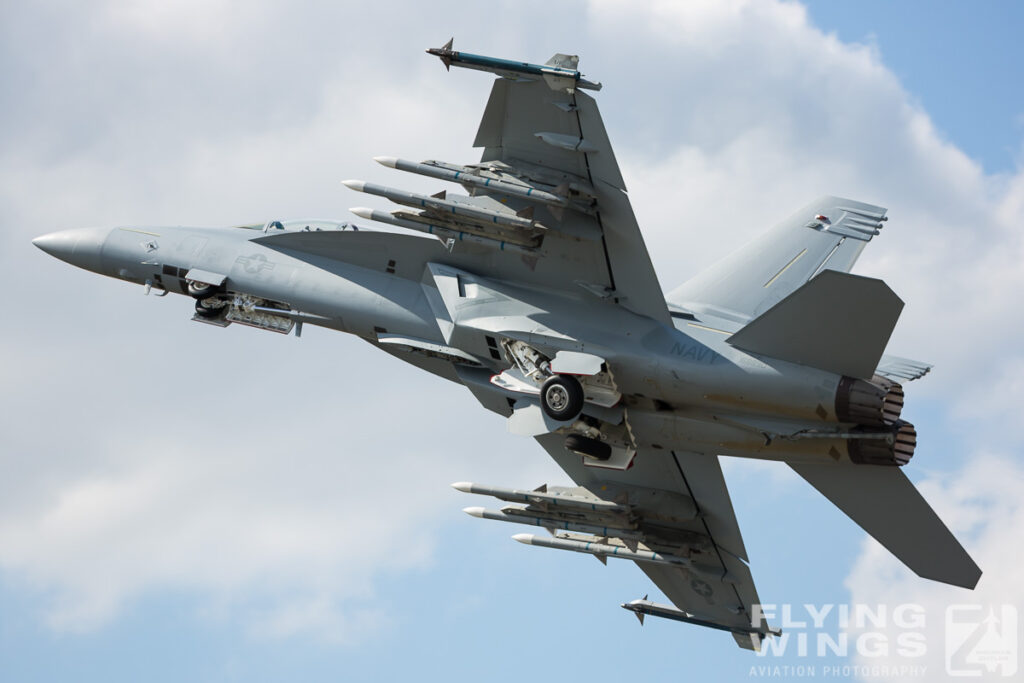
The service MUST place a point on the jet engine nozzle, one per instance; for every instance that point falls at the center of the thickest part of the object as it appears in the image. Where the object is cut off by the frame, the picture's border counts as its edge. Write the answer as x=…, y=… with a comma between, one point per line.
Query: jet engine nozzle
x=892, y=447
x=877, y=403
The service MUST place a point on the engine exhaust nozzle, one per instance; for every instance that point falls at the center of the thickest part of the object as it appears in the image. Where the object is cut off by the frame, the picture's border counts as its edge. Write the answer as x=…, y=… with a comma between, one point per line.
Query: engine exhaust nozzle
x=895, y=447
x=877, y=403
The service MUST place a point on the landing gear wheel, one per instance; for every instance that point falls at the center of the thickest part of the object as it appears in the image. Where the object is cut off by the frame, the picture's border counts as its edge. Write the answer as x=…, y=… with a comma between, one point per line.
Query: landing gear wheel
x=204, y=310
x=200, y=291
x=561, y=397
x=591, y=448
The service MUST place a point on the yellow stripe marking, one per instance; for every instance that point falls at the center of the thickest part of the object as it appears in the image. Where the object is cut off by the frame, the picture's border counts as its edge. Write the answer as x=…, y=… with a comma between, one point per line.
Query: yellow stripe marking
x=141, y=232
x=709, y=329
x=785, y=268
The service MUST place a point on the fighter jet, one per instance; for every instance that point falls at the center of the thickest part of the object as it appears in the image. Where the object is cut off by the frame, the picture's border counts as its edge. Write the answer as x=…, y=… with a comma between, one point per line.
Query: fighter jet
x=535, y=291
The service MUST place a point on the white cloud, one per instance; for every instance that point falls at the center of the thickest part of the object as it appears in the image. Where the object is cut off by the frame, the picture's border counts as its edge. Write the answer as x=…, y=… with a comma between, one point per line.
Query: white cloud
x=781, y=113
x=266, y=485
x=279, y=478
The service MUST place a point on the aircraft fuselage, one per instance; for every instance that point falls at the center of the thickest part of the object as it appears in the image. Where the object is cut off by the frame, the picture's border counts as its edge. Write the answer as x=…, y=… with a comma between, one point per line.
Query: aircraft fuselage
x=683, y=387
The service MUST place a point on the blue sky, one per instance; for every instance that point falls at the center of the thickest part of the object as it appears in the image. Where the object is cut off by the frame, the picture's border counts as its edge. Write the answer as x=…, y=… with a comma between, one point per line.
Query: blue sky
x=134, y=515
x=960, y=60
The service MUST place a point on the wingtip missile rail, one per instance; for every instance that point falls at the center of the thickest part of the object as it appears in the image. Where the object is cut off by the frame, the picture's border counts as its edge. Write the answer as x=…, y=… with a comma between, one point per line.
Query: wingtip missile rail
x=557, y=76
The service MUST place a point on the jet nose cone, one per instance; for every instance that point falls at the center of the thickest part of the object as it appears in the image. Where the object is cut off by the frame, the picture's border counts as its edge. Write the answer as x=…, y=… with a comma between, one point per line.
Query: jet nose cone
x=58, y=244
x=82, y=247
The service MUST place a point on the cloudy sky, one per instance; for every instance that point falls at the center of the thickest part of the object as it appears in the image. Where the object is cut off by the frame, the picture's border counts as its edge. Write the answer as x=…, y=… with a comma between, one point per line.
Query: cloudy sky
x=183, y=502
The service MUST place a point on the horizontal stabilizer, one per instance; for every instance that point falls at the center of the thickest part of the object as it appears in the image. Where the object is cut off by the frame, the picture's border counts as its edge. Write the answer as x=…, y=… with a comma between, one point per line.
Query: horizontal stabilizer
x=902, y=369
x=886, y=505
x=837, y=322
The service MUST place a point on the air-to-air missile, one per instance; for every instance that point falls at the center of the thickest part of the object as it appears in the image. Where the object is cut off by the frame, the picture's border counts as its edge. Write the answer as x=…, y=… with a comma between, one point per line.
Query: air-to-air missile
x=559, y=71
x=477, y=178
x=594, y=545
x=445, y=232
x=556, y=497
x=551, y=521
x=443, y=206
x=644, y=607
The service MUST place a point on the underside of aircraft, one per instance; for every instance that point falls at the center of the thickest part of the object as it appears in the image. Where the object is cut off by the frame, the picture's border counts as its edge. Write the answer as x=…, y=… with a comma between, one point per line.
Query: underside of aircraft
x=536, y=292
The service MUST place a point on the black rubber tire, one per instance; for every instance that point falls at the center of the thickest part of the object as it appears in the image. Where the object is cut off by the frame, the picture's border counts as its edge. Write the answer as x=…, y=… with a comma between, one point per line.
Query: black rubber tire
x=209, y=313
x=201, y=291
x=591, y=448
x=561, y=397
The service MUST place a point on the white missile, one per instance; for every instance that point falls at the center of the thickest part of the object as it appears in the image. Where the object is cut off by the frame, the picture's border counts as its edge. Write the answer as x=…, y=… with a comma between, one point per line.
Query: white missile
x=455, y=224
x=444, y=206
x=596, y=547
x=542, y=497
x=521, y=516
x=467, y=176
x=441, y=231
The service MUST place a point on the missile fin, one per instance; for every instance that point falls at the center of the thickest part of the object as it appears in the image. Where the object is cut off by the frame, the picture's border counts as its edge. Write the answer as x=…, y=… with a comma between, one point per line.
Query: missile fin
x=563, y=61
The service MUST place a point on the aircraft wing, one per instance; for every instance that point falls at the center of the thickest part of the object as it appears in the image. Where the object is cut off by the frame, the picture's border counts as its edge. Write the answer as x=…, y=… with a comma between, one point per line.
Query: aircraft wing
x=827, y=234
x=721, y=592
x=547, y=204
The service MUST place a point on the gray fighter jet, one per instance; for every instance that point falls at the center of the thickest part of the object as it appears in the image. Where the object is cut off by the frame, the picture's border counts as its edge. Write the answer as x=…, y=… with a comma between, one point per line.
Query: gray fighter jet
x=536, y=292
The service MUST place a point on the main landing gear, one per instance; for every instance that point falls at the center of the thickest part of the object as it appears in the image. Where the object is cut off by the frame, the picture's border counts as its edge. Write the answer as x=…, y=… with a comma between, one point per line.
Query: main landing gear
x=208, y=307
x=561, y=397
x=591, y=448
